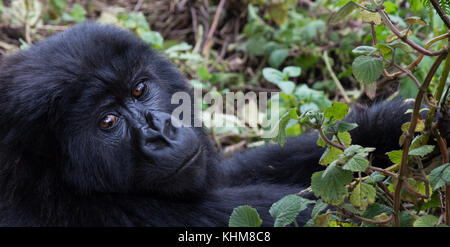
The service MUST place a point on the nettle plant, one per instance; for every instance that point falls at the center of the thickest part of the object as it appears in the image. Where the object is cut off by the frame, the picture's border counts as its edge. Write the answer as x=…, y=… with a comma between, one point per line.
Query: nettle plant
x=350, y=191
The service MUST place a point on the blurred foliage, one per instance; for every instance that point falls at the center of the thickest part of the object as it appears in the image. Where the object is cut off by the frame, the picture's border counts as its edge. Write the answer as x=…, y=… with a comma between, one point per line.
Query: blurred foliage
x=314, y=53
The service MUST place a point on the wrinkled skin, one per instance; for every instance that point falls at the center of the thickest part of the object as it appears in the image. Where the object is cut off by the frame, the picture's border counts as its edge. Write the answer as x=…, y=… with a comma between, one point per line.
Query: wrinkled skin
x=78, y=147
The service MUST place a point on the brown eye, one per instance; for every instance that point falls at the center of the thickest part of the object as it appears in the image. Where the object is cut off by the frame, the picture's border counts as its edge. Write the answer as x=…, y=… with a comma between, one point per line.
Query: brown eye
x=139, y=89
x=108, y=121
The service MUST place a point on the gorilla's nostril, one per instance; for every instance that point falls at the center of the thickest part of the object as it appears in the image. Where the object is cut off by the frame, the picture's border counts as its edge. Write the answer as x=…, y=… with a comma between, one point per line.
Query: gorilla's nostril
x=169, y=130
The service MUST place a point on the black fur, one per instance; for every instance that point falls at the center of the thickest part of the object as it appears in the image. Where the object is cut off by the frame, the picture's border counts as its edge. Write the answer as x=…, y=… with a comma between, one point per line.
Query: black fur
x=57, y=168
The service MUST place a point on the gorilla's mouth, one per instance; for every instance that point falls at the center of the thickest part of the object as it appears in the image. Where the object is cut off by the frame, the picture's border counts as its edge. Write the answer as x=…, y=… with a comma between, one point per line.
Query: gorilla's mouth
x=189, y=161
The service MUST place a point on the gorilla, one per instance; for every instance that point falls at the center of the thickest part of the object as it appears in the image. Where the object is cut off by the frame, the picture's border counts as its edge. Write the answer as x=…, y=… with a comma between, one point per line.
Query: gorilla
x=86, y=140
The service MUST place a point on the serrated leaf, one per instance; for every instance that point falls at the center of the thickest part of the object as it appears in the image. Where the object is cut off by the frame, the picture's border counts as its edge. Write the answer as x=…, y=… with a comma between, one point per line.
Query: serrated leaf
x=362, y=195
x=422, y=151
x=337, y=111
x=273, y=75
x=426, y=221
x=344, y=126
x=330, y=155
x=287, y=208
x=244, y=216
x=440, y=176
x=367, y=69
x=357, y=163
x=415, y=20
x=281, y=126
x=331, y=188
x=395, y=156
x=292, y=71
x=371, y=17
x=346, y=10
x=364, y=50
x=319, y=207
x=345, y=137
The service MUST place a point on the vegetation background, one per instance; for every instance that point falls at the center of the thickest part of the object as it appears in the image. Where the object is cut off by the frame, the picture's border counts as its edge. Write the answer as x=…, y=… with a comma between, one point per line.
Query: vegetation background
x=313, y=53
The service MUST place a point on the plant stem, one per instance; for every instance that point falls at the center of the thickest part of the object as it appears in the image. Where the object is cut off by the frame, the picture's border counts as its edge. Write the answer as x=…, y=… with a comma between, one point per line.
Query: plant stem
x=441, y=13
x=397, y=32
x=335, y=79
x=410, y=134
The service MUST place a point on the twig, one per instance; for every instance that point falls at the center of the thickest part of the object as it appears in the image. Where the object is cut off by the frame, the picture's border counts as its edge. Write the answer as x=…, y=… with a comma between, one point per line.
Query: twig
x=441, y=13
x=383, y=171
x=213, y=26
x=397, y=32
x=409, y=135
x=327, y=141
x=335, y=79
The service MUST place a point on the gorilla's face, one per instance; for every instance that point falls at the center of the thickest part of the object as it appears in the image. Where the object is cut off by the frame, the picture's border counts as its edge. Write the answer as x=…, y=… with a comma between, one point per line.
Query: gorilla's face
x=97, y=100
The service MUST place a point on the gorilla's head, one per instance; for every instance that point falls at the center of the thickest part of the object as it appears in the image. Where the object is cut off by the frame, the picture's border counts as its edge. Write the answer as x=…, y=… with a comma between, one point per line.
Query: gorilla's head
x=91, y=107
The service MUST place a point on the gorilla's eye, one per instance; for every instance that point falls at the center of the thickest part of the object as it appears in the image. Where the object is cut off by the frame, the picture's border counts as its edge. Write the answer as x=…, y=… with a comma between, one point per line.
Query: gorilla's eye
x=139, y=89
x=108, y=121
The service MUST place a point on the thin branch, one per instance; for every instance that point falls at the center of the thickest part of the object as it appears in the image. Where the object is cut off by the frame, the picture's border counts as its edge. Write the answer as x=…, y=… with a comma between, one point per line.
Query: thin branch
x=213, y=26
x=397, y=32
x=334, y=77
x=410, y=134
x=327, y=141
x=441, y=13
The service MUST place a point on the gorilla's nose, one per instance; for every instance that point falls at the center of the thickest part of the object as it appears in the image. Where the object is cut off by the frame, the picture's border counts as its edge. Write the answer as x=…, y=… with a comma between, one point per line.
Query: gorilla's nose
x=161, y=123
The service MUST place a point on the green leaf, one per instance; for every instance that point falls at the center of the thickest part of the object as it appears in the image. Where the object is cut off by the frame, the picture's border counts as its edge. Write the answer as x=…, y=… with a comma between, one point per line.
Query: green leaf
x=286, y=86
x=58, y=6
x=395, y=156
x=390, y=7
x=364, y=50
x=426, y=221
x=331, y=154
x=401, y=45
x=277, y=57
x=78, y=14
x=367, y=69
x=331, y=188
x=244, y=216
x=415, y=20
x=319, y=207
x=344, y=126
x=153, y=38
x=292, y=71
x=337, y=111
x=279, y=13
x=422, y=151
x=440, y=176
x=357, y=163
x=273, y=75
x=363, y=195
x=203, y=73
x=371, y=17
x=345, y=137
x=384, y=48
x=286, y=210
x=346, y=10
x=281, y=125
